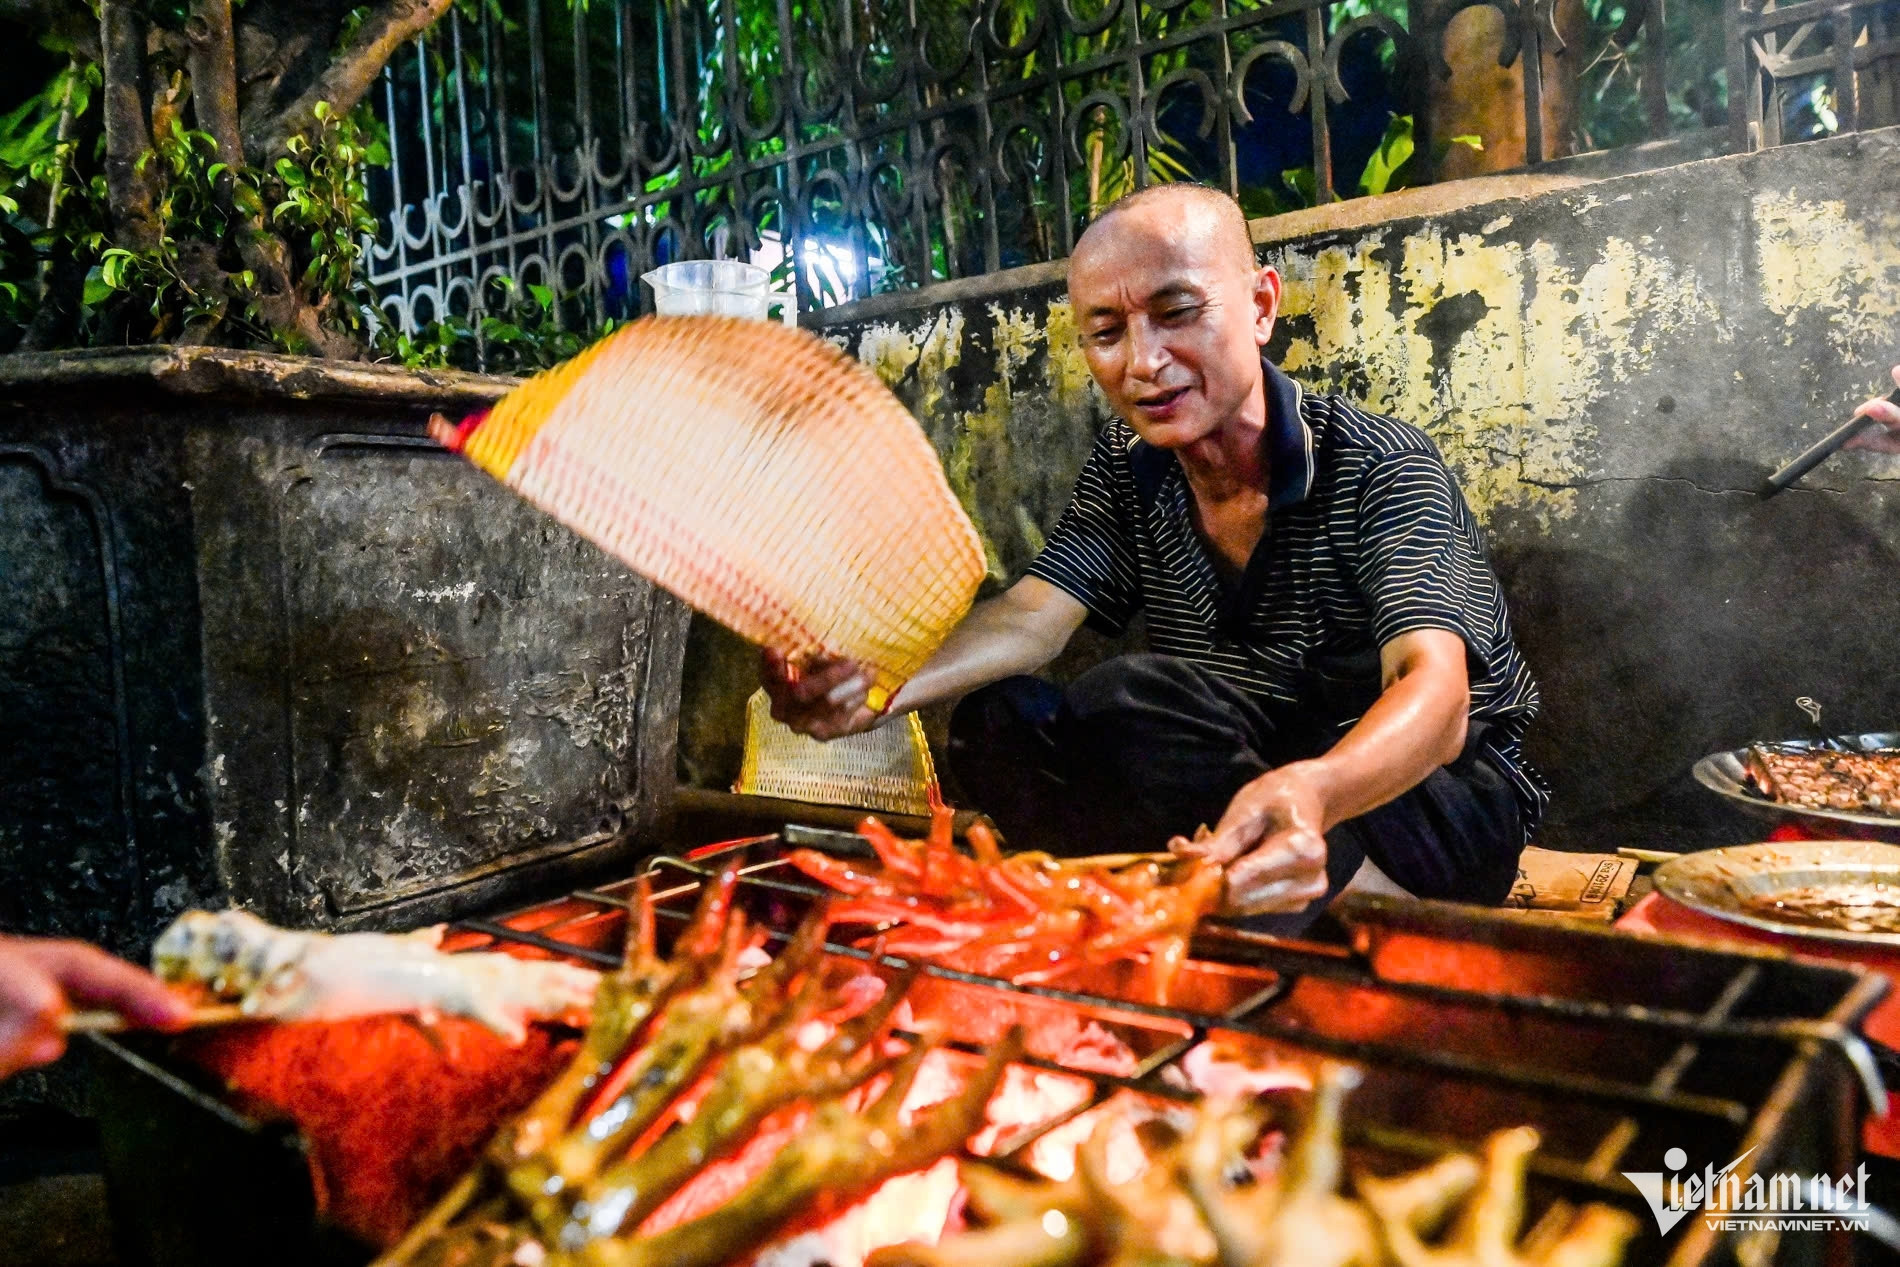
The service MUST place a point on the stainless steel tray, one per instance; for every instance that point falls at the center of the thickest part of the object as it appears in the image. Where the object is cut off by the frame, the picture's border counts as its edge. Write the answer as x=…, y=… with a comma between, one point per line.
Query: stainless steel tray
x=1721, y=882
x=1722, y=774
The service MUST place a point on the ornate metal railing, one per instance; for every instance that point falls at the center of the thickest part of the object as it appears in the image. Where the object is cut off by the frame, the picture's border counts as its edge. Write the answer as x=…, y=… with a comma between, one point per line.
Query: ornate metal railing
x=858, y=146
x=1811, y=68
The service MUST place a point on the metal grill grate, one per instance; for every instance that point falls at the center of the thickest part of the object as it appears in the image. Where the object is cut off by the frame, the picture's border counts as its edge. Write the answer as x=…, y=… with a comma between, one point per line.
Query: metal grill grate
x=1615, y=1047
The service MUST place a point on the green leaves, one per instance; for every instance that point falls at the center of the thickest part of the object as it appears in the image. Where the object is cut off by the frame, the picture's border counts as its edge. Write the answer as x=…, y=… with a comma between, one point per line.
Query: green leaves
x=1393, y=153
x=112, y=268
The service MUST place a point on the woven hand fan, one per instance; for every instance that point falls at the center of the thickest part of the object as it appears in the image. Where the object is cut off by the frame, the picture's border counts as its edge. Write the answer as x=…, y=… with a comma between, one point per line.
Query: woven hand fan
x=757, y=472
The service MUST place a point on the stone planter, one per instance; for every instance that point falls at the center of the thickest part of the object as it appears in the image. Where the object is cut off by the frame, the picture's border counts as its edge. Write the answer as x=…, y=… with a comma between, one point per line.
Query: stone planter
x=265, y=643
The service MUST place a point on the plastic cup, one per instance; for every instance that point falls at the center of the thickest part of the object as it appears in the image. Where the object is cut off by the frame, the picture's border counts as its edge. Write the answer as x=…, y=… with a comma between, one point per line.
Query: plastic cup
x=725, y=288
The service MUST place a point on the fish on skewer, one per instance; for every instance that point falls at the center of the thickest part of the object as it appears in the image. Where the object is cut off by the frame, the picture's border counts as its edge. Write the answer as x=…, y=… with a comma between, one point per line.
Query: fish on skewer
x=840, y=1157
x=281, y=974
x=755, y=1080
x=698, y=1026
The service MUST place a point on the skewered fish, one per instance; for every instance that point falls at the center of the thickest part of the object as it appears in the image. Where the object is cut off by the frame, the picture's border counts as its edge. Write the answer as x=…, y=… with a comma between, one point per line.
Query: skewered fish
x=280, y=974
x=685, y=1064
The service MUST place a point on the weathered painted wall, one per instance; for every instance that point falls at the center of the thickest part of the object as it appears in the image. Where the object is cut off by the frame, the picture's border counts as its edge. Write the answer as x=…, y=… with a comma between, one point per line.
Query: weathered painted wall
x=1611, y=370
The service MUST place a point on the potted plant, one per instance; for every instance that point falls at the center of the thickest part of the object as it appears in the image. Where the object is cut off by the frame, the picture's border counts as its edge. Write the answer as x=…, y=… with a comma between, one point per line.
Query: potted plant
x=267, y=643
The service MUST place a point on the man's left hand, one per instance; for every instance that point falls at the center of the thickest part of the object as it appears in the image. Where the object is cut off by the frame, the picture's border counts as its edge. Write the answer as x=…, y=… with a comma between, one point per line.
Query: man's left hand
x=1272, y=841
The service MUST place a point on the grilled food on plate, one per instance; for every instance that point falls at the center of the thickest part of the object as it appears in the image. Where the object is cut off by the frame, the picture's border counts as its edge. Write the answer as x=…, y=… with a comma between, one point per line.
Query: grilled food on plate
x=1817, y=778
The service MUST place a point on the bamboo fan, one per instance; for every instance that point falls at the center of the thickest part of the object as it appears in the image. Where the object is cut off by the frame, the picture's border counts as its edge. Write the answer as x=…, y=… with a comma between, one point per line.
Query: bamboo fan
x=757, y=472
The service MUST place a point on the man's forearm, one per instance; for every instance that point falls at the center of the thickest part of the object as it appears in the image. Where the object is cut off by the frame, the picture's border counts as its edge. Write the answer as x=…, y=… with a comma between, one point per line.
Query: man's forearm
x=1415, y=726
x=1018, y=632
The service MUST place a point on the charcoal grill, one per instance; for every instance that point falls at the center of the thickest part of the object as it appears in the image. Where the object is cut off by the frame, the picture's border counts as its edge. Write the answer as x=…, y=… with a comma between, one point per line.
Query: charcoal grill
x=1616, y=1047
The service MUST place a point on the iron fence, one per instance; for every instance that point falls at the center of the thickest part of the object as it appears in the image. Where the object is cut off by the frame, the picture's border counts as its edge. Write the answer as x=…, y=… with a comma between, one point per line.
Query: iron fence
x=857, y=146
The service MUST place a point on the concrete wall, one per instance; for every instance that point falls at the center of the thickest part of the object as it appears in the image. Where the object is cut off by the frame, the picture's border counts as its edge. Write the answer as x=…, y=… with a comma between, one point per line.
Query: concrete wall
x=1611, y=369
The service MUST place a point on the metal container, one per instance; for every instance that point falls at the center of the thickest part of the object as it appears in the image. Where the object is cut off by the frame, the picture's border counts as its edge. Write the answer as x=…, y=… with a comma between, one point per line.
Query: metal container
x=266, y=643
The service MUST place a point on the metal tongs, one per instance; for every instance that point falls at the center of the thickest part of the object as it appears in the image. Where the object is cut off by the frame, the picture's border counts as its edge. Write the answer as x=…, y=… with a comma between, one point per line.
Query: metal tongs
x=1820, y=453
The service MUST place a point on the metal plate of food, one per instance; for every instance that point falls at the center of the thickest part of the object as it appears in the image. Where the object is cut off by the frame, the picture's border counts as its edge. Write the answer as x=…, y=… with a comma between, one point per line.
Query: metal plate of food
x=1821, y=783
x=1834, y=890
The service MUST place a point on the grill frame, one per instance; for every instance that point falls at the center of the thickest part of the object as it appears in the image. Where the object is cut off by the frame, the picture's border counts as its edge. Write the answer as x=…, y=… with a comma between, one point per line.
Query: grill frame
x=1807, y=1115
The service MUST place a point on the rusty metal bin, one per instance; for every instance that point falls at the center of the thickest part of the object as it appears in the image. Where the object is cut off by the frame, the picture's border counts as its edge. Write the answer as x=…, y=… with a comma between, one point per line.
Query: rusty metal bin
x=265, y=643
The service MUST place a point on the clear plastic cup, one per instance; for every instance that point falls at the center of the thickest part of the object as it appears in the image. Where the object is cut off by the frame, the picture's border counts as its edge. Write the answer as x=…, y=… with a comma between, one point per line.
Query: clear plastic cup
x=725, y=288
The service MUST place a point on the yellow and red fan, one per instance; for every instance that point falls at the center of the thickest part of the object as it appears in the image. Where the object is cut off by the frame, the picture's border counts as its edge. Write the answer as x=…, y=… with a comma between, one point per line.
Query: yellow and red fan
x=757, y=472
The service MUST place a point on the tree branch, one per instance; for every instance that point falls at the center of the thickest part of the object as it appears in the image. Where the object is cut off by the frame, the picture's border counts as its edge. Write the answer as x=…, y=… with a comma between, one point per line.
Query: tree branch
x=212, y=61
x=131, y=184
x=281, y=307
x=349, y=77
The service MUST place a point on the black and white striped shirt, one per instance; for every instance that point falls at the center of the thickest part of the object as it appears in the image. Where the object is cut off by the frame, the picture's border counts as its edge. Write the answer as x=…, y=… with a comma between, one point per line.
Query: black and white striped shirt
x=1368, y=537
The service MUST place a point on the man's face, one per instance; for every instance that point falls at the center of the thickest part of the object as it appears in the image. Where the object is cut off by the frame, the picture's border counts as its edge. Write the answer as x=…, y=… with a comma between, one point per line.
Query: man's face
x=1171, y=319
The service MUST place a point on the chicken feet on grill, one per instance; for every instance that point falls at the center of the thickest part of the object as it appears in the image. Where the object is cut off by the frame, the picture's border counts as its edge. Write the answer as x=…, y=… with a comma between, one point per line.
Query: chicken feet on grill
x=1484, y=1232
x=1183, y=1211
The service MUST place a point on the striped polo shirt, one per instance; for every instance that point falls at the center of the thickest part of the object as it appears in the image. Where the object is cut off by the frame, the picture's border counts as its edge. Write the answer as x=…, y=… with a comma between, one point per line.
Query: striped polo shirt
x=1368, y=537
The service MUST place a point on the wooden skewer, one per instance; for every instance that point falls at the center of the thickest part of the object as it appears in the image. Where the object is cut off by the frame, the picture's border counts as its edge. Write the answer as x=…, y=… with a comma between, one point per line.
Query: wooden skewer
x=107, y=1022
x=1112, y=861
x=1646, y=855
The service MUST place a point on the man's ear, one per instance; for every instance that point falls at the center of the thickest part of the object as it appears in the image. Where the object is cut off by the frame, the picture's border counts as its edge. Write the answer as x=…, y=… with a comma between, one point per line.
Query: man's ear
x=1266, y=303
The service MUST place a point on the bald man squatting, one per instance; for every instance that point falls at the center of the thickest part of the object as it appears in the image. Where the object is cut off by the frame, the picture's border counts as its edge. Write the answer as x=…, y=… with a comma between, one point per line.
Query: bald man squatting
x=1331, y=682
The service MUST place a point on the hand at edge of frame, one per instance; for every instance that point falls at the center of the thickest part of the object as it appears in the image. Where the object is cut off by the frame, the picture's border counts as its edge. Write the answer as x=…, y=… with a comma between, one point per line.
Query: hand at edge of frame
x=41, y=979
x=1885, y=439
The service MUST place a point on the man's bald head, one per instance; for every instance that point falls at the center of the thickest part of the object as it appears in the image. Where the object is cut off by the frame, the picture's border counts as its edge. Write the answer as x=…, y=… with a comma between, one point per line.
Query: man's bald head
x=1191, y=211
x=1171, y=312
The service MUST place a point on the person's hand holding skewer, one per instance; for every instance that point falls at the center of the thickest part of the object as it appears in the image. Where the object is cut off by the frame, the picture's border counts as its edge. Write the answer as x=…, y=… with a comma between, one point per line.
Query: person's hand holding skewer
x=41, y=980
x=1884, y=438
x=1271, y=841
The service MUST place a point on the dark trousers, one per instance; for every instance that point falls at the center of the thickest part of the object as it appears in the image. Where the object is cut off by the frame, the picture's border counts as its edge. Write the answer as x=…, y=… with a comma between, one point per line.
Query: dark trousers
x=1146, y=747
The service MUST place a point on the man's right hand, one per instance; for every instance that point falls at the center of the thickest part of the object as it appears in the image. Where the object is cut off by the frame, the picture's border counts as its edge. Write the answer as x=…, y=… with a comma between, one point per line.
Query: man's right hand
x=1884, y=439
x=824, y=700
